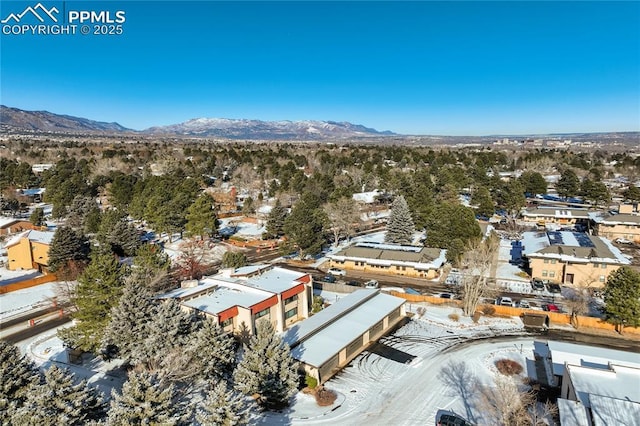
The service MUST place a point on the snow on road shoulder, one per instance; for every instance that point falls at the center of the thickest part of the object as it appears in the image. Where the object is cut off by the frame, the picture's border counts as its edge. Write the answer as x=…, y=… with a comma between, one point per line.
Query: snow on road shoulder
x=20, y=301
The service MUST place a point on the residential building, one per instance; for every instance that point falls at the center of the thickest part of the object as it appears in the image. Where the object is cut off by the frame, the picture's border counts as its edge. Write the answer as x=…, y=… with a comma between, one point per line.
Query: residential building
x=572, y=258
x=410, y=261
x=623, y=224
x=29, y=250
x=11, y=225
x=330, y=339
x=248, y=295
x=556, y=215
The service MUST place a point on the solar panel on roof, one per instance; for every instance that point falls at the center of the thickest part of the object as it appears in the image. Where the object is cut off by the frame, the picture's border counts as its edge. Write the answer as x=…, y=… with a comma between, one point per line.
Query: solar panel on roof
x=555, y=238
x=583, y=239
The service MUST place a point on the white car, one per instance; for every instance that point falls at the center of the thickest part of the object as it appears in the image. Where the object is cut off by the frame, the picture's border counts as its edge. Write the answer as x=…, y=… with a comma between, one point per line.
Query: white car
x=371, y=284
x=504, y=301
x=622, y=241
x=337, y=272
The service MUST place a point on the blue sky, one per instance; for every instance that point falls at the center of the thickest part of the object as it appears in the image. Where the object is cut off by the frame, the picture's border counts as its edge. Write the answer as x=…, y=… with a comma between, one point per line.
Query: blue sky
x=454, y=68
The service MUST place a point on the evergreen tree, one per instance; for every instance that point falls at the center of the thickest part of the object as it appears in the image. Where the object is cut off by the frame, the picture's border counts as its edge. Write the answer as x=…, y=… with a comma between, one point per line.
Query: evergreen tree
x=222, y=407
x=568, y=185
x=452, y=227
x=233, y=259
x=304, y=227
x=622, y=298
x=533, y=183
x=79, y=211
x=151, y=266
x=275, y=221
x=18, y=375
x=214, y=351
x=144, y=401
x=632, y=194
x=201, y=218
x=116, y=232
x=57, y=401
x=37, y=217
x=482, y=198
x=129, y=323
x=67, y=246
x=511, y=197
x=400, y=227
x=267, y=368
x=99, y=288
x=171, y=327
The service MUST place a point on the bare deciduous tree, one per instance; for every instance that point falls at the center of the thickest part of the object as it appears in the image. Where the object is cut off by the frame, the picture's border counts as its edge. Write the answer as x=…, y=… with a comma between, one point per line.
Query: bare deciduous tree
x=503, y=404
x=477, y=261
x=343, y=216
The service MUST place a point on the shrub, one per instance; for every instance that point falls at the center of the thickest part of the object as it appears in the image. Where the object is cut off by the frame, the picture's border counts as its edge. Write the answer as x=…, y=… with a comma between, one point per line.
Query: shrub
x=454, y=317
x=476, y=316
x=421, y=310
x=324, y=397
x=488, y=310
x=311, y=382
x=508, y=367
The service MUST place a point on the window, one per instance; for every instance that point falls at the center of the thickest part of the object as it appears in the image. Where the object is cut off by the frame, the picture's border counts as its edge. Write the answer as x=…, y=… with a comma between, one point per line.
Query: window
x=552, y=274
x=546, y=261
x=544, y=273
x=603, y=266
x=226, y=323
x=601, y=278
x=292, y=313
x=291, y=299
x=553, y=261
x=262, y=313
x=595, y=265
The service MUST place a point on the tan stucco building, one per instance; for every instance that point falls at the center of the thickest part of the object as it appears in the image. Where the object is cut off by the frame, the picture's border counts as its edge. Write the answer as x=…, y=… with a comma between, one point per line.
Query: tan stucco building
x=625, y=224
x=571, y=258
x=29, y=250
x=409, y=261
x=556, y=215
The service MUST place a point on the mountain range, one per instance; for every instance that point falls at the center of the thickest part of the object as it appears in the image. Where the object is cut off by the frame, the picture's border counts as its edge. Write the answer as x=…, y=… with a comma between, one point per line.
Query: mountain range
x=17, y=119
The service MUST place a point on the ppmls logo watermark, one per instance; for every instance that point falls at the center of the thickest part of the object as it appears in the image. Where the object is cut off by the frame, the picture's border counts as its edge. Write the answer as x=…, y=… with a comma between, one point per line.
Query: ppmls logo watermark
x=41, y=20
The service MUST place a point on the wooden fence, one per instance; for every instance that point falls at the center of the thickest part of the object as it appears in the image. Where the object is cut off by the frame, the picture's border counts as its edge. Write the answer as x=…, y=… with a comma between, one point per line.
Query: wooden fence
x=554, y=317
x=19, y=285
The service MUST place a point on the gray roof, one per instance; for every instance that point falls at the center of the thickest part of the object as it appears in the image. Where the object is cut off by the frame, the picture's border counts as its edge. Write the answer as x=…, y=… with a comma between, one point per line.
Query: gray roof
x=332, y=329
x=607, y=411
x=571, y=247
x=617, y=219
x=388, y=254
x=572, y=413
x=276, y=280
x=557, y=212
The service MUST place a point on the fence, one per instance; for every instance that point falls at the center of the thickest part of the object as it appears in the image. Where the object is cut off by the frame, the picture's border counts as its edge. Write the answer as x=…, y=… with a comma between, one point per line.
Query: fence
x=27, y=283
x=335, y=287
x=554, y=317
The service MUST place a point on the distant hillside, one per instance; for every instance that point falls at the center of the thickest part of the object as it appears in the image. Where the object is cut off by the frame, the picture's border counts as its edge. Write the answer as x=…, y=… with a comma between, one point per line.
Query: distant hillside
x=49, y=122
x=257, y=129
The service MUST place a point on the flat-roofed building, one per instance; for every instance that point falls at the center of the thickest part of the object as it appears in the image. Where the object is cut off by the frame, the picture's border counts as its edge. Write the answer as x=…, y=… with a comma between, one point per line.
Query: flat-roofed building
x=556, y=215
x=572, y=258
x=619, y=225
x=410, y=261
x=256, y=293
x=330, y=339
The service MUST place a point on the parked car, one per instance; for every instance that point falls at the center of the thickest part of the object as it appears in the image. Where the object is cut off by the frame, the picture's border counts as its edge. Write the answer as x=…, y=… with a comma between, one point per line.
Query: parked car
x=353, y=283
x=446, y=296
x=329, y=279
x=371, y=284
x=504, y=301
x=537, y=284
x=452, y=420
x=524, y=304
x=550, y=307
x=337, y=272
x=554, y=288
x=622, y=241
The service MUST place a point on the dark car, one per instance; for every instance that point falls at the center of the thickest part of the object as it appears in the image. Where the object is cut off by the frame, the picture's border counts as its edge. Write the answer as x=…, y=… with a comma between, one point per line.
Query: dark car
x=353, y=283
x=537, y=284
x=329, y=279
x=554, y=288
x=446, y=296
x=452, y=420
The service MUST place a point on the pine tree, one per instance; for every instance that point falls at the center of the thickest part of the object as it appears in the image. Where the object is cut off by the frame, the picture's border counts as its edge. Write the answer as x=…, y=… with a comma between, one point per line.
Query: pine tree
x=267, y=368
x=17, y=375
x=400, y=227
x=144, y=401
x=568, y=184
x=233, y=259
x=116, y=232
x=275, y=221
x=632, y=193
x=171, y=327
x=57, y=401
x=622, y=298
x=99, y=288
x=201, y=218
x=214, y=351
x=37, y=217
x=305, y=225
x=222, y=407
x=67, y=245
x=129, y=322
x=80, y=209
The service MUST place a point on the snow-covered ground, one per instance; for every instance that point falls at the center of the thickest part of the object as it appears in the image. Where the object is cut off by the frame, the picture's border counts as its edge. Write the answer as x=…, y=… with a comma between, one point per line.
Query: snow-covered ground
x=234, y=226
x=8, y=277
x=209, y=253
x=24, y=300
x=436, y=362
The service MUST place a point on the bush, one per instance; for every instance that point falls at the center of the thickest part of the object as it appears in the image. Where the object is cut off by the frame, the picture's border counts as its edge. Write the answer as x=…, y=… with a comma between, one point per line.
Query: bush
x=454, y=317
x=476, y=316
x=488, y=310
x=421, y=310
x=311, y=382
x=324, y=397
x=508, y=367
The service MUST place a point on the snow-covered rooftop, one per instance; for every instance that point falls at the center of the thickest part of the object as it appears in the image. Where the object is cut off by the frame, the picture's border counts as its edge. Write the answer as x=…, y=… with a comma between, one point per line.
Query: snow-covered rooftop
x=421, y=258
x=6, y=221
x=616, y=219
x=43, y=237
x=572, y=413
x=204, y=286
x=616, y=382
x=610, y=411
x=276, y=280
x=571, y=246
x=571, y=353
x=227, y=296
x=557, y=212
x=317, y=339
x=248, y=270
x=366, y=197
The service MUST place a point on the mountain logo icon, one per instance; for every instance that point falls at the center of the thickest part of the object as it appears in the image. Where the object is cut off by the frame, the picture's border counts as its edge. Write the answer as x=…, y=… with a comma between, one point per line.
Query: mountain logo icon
x=39, y=11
